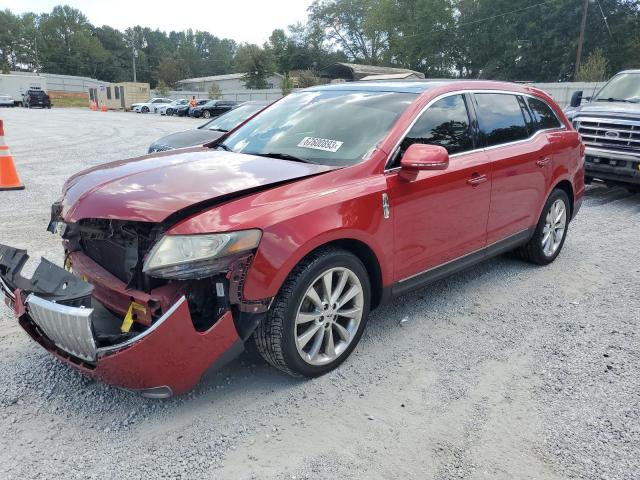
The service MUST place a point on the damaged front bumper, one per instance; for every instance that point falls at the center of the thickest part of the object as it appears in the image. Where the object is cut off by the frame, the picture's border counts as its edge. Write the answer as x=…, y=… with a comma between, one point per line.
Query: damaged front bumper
x=169, y=357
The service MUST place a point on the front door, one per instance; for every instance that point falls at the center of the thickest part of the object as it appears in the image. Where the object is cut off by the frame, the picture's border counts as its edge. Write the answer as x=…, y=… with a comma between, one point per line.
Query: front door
x=520, y=163
x=441, y=215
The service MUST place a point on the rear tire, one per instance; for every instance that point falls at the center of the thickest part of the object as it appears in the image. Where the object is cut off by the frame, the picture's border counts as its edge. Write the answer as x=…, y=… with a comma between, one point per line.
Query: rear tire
x=206, y=114
x=551, y=231
x=309, y=332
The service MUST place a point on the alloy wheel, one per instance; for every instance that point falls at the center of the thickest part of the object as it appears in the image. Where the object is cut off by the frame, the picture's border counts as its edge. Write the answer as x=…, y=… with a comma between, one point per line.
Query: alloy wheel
x=329, y=316
x=554, y=227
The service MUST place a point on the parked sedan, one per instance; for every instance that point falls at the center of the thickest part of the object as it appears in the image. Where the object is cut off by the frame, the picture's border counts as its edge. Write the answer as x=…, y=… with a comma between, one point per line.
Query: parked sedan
x=289, y=230
x=184, y=110
x=6, y=101
x=210, y=131
x=169, y=109
x=213, y=108
x=151, y=106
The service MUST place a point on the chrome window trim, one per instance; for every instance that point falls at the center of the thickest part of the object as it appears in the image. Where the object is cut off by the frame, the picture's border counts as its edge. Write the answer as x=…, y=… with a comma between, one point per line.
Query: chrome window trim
x=475, y=150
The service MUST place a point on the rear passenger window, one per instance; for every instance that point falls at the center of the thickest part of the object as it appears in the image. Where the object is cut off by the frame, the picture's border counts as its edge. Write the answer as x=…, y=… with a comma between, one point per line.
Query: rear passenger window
x=500, y=118
x=543, y=115
x=445, y=123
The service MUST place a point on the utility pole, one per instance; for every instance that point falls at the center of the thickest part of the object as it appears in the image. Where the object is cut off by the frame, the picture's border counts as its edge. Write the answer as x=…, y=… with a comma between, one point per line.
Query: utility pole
x=583, y=26
x=133, y=57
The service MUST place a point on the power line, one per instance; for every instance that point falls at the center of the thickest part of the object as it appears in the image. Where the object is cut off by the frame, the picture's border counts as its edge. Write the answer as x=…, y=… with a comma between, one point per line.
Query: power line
x=604, y=18
x=486, y=19
x=507, y=13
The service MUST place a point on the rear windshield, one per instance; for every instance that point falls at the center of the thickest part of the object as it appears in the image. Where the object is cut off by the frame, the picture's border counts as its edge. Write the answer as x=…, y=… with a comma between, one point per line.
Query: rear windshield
x=326, y=127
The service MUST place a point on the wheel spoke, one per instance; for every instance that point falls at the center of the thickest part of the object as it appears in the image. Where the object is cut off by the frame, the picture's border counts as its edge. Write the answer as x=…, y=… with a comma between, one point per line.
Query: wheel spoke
x=314, y=297
x=352, y=292
x=342, y=332
x=308, y=335
x=330, y=348
x=317, y=343
x=344, y=276
x=327, y=282
x=306, y=317
x=349, y=312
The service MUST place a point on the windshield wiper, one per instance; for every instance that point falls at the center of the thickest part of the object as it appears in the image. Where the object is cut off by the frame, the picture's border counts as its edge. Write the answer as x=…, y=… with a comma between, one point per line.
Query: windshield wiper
x=281, y=156
x=611, y=99
x=219, y=130
x=223, y=147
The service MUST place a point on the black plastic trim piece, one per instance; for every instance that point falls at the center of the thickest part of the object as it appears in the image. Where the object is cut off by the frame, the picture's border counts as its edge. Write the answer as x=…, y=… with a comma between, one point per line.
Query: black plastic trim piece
x=462, y=263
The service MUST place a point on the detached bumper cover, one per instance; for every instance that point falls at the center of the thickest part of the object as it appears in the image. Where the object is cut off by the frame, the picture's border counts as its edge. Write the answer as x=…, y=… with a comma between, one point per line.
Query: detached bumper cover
x=167, y=358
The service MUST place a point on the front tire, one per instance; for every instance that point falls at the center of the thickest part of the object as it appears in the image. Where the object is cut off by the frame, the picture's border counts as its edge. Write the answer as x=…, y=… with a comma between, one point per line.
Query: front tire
x=318, y=316
x=145, y=109
x=206, y=114
x=551, y=230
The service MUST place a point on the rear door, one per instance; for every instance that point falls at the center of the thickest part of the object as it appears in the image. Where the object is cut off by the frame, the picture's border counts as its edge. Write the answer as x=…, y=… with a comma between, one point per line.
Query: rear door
x=441, y=215
x=520, y=163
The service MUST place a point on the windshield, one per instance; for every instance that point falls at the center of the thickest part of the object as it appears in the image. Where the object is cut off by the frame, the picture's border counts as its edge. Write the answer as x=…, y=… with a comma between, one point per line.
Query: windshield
x=622, y=88
x=229, y=120
x=328, y=127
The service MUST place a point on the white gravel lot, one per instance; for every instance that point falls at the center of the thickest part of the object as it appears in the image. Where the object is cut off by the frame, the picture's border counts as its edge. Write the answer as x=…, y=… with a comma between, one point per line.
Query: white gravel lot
x=506, y=371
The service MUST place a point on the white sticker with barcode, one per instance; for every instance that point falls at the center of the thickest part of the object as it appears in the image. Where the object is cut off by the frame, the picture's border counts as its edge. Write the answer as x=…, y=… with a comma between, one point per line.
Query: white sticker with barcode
x=324, y=144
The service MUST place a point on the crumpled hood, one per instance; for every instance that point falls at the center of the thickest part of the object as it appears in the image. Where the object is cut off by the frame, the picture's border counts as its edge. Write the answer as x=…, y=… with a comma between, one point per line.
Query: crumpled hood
x=608, y=109
x=189, y=138
x=150, y=188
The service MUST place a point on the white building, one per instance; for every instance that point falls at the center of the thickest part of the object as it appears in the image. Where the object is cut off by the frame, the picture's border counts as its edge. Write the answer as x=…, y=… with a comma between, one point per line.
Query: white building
x=232, y=82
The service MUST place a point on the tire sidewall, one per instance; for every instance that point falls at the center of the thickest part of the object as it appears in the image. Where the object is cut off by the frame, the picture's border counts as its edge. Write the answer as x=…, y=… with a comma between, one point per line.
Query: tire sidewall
x=542, y=258
x=289, y=350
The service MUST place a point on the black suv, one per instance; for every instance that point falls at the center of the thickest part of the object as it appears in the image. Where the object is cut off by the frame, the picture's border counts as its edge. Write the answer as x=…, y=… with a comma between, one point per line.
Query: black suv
x=610, y=128
x=36, y=98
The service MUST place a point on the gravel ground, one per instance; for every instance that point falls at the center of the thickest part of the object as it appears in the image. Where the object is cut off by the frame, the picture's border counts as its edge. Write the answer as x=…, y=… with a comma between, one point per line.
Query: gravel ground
x=504, y=371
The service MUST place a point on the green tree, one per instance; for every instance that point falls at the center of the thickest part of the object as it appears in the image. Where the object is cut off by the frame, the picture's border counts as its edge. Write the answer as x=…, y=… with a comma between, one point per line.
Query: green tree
x=162, y=88
x=256, y=63
x=215, y=92
x=595, y=69
x=169, y=71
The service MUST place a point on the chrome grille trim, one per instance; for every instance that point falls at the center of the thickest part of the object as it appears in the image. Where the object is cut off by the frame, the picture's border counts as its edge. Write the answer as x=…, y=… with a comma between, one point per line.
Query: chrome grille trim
x=609, y=133
x=69, y=328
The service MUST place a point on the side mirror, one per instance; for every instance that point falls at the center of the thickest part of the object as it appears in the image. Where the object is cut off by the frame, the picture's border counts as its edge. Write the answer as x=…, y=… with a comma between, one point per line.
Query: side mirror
x=576, y=99
x=423, y=157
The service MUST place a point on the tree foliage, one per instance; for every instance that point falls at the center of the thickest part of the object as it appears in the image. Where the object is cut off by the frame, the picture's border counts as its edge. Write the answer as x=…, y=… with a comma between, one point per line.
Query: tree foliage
x=501, y=39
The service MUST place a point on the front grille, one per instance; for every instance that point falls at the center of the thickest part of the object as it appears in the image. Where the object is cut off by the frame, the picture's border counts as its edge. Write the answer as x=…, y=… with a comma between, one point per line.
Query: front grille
x=609, y=134
x=68, y=327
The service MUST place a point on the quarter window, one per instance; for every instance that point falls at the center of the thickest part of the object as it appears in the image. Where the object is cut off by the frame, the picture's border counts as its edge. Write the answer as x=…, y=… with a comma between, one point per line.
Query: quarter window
x=500, y=118
x=543, y=115
x=445, y=123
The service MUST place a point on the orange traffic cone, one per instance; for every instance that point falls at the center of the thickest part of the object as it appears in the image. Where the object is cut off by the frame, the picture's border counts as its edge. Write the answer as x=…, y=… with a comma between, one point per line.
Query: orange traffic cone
x=9, y=179
x=94, y=106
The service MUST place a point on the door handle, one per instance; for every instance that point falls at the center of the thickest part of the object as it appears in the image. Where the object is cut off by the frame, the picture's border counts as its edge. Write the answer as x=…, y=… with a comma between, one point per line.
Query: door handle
x=543, y=161
x=477, y=180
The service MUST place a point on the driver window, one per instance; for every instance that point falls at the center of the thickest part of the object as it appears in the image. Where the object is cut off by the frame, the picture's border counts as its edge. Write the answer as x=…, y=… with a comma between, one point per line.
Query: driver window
x=445, y=123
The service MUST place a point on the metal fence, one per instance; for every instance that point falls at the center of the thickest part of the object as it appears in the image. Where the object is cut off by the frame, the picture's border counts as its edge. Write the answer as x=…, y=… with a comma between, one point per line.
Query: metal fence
x=237, y=95
x=561, y=92
x=66, y=83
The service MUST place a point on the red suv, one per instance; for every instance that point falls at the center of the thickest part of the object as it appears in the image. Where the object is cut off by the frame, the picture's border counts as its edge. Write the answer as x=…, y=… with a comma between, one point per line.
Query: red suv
x=288, y=230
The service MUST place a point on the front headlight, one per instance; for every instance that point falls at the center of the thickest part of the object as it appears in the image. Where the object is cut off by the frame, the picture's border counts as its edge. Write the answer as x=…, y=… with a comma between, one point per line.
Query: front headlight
x=185, y=257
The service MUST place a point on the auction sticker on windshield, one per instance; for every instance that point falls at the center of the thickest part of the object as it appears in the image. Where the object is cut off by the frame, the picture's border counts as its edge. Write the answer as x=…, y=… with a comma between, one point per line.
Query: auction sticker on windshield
x=320, y=144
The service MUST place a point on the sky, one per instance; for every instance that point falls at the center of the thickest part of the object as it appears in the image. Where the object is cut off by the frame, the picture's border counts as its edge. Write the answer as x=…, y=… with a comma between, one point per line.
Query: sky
x=241, y=20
